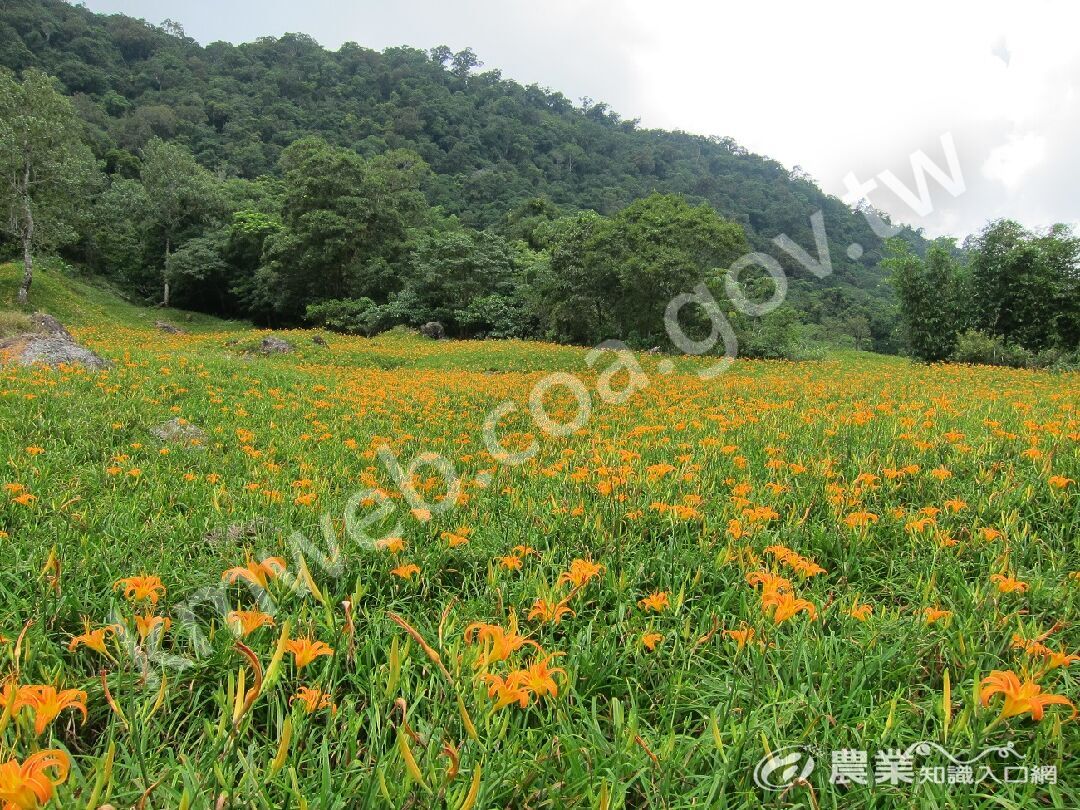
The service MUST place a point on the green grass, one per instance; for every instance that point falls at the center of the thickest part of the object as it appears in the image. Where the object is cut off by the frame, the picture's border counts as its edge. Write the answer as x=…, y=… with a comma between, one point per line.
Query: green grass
x=291, y=438
x=79, y=302
x=13, y=322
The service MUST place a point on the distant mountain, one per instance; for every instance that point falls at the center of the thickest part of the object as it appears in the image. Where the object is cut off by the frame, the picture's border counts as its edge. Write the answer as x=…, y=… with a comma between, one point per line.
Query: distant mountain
x=492, y=143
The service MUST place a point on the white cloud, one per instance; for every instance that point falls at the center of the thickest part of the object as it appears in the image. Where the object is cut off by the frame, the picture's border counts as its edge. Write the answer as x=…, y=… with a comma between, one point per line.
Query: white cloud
x=1012, y=161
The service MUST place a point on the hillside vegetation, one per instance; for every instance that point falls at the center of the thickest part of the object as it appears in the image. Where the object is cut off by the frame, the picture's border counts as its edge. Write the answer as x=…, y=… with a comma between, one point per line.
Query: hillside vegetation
x=484, y=152
x=87, y=301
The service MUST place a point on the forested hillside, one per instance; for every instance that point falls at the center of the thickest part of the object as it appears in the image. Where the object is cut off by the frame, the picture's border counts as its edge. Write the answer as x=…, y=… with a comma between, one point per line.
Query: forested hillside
x=494, y=153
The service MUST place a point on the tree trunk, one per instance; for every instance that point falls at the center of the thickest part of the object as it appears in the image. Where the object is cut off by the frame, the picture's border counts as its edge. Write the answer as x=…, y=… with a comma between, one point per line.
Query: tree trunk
x=27, y=240
x=165, y=275
x=28, y=269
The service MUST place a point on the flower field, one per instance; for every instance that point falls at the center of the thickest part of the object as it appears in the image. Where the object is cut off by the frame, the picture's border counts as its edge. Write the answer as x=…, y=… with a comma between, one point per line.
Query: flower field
x=856, y=553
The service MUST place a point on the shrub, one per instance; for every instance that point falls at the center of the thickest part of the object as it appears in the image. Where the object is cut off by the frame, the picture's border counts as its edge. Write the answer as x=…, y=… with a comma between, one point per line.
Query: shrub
x=349, y=315
x=980, y=348
x=776, y=336
x=496, y=316
x=1058, y=359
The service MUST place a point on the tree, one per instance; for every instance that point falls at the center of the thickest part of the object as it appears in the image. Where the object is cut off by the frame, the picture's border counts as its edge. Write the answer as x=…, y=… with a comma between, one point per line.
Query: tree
x=931, y=293
x=450, y=270
x=578, y=284
x=116, y=243
x=183, y=198
x=662, y=246
x=345, y=221
x=614, y=277
x=46, y=166
x=1061, y=249
x=1025, y=285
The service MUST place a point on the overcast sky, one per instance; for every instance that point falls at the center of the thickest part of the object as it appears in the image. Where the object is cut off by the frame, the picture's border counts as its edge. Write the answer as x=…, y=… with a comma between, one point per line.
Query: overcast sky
x=834, y=87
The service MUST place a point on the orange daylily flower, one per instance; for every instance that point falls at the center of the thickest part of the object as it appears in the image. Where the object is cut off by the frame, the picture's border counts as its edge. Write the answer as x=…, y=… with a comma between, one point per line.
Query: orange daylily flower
x=306, y=650
x=539, y=678
x=769, y=582
x=406, y=571
x=313, y=699
x=257, y=573
x=1058, y=658
x=857, y=519
x=508, y=690
x=550, y=611
x=394, y=545
x=28, y=785
x=934, y=614
x=1054, y=658
x=1020, y=698
x=458, y=538
x=137, y=589
x=498, y=643
x=47, y=703
x=861, y=612
x=742, y=636
x=650, y=640
x=94, y=639
x=801, y=565
x=511, y=562
x=656, y=601
x=581, y=571
x=148, y=623
x=1007, y=584
x=246, y=622
x=786, y=605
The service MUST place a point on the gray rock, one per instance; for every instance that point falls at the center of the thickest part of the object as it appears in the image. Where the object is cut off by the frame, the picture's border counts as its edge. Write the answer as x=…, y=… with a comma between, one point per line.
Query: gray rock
x=46, y=324
x=49, y=350
x=433, y=330
x=319, y=340
x=178, y=431
x=168, y=328
x=239, y=532
x=275, y=345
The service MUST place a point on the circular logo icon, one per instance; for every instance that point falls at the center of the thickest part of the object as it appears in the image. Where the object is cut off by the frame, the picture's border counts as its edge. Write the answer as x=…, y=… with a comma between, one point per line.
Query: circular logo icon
x=783, y=768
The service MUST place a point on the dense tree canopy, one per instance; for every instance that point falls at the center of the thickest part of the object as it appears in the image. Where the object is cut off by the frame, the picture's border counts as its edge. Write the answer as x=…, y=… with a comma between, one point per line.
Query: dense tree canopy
x=282, y=182
x=1010, y=294
x=491, y=145
x=931, y=294
x=613, y=277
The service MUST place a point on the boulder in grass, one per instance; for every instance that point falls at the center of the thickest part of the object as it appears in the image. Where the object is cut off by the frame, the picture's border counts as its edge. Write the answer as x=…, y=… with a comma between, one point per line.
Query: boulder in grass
x=179, y=431
x=275, y=345
x=45, y=324
x=49, y=350
x=433, y=330
x=168, y=328
x=240, y=533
